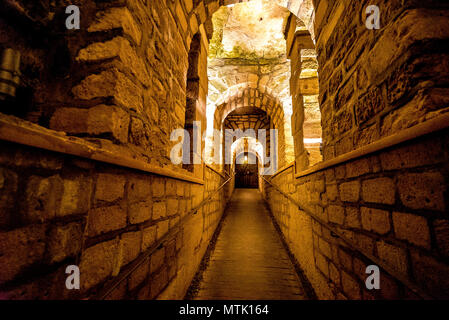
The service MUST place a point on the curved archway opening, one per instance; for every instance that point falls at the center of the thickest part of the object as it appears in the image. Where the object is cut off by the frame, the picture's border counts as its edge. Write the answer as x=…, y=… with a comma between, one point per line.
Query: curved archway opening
x=246, y=170
x=256, y=60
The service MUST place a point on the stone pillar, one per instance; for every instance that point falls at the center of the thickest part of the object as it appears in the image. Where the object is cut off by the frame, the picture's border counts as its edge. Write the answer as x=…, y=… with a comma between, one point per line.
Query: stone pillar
x=306, y=120
x=375, y=83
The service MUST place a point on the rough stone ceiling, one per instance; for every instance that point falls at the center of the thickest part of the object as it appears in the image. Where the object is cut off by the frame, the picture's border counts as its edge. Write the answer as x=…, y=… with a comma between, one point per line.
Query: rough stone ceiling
x=248, y=50
x=252, y=30
x=303, y=9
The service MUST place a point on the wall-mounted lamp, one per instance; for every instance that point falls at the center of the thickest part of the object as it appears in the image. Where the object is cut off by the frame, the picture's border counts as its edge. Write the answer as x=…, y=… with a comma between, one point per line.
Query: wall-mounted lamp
x=9, y=73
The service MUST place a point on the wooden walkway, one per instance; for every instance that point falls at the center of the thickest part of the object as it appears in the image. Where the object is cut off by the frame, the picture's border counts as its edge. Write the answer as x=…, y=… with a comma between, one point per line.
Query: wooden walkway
x=249, y=261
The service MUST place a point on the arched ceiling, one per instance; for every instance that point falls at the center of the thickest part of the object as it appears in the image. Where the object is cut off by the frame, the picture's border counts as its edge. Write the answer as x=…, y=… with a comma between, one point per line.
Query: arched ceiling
x=252, y=30
x=248, y=50
x=250, y=145
x=251, y=98
x=247, y=118
x=302, y=9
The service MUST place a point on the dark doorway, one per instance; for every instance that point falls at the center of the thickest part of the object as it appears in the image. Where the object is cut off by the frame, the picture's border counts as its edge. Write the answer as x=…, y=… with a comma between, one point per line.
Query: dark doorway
x=246, y=173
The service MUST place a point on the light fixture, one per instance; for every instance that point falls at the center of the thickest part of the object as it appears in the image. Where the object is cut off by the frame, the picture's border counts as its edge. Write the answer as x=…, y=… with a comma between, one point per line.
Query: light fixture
x=9, y=73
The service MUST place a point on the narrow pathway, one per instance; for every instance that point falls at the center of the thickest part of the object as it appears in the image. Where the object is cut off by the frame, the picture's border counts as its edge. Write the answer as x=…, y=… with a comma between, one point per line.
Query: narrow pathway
x=249, y=261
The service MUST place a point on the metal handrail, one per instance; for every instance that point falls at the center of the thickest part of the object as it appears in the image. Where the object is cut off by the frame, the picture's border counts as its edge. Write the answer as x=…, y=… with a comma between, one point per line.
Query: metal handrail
x=412, y=286
x=156, y=246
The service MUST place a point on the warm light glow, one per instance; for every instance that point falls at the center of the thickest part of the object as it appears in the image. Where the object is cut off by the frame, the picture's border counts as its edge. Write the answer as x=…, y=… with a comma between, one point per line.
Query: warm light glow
x=253, y=146
x=310, y=141
x=258, y=7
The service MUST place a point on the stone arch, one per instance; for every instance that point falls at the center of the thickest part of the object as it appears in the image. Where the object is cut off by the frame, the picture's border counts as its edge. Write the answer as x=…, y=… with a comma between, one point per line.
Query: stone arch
x=251, y=97
x=301, y=9
x=252, y=145
x=237, y=93
x=250, y=118
x=248, y=144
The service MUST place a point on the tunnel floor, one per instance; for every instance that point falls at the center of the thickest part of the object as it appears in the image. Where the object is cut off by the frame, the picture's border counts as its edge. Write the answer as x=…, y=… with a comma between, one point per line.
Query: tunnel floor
x=249, y=261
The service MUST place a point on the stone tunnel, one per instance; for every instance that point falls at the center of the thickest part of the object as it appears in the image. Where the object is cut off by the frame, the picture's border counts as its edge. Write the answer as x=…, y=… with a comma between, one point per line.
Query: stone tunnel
x=220, y=149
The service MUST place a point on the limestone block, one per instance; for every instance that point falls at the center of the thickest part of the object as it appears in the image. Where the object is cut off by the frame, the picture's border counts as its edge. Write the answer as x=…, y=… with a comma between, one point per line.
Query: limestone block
x=345, y=259
x=139, y=275
x=140, y=212
x=96, y=121
x=350, y=191
x=412, y=228
x=119, y=48
x=308, y=86
x=322, y=263
x=109, y=187
x=413, y=155
x=336, y=214
x=395, y=257
x=332, y=192
x=64, y=241
x=334, y=274
x=159, y=210
x=441, y=229
x=422, y=190
x=8, y=189
x=375, y=220
x=352, y=217
x=19, y=249
x=43, y=198
x=171, y=187
x=105, y=219
x=181, y=15
x=70, y=120
x=350, y=286
x=157, y=260
x=131, y=246
x=172, y=207
x=357, y=168
x=188, y=5
x=111, y=83
x=158, y=282
x=98, y=263
x=115, y=18
x=76, y=196
x=162, y=228
x=380, y=190
x=148, y=237
x=431, y=274
x=158, y=187
x=108, y=119
x=324, y=247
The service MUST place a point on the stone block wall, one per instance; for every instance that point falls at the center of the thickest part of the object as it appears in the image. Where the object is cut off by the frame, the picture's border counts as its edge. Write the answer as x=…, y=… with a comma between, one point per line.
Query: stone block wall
x=264, y=101
x=306, y=118
x=138, y=67
x=126, y=92
x=121, y=78
x=375, y=83
x=391, y=205
x=128, y=70
x=59, y=210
